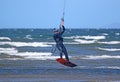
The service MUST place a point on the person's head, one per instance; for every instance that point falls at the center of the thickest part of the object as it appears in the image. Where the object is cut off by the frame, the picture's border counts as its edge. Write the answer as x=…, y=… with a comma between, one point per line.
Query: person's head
x=56, y=30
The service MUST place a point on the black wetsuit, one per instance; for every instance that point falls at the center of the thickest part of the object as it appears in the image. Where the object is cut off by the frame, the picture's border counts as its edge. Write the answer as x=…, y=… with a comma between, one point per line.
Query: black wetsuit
x=59, y=42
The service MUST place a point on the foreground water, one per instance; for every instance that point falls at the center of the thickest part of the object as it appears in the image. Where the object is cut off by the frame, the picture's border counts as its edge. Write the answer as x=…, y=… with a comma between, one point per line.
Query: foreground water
x=28, y=52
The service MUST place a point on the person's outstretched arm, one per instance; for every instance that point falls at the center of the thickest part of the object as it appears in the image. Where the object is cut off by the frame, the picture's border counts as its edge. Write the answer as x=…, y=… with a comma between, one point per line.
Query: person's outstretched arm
x=62, y=27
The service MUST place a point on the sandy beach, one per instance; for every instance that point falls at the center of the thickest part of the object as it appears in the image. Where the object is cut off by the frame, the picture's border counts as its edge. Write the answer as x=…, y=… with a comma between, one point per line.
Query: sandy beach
x=59, y=78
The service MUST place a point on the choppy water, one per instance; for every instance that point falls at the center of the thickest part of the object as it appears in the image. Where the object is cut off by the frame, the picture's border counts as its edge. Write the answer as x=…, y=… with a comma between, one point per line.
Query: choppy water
x=93, y=50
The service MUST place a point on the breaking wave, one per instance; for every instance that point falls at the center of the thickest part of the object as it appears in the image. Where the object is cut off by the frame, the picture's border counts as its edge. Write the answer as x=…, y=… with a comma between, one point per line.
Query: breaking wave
x=108, y=49
x=49, y=55
x=86, y=37
x=110, y=42
x=29, y=37
x=80, y=41
x=28, y=55
x=101, y=57
x=5, y=38
x=117, y=34
x=8, y=50
x=85, y=41
x=21, y=44
x=104, y=34
x=95, y=57
x=108, y=67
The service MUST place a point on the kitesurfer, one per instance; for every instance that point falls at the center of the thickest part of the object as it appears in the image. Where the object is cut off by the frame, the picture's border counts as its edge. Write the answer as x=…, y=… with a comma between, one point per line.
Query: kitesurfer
x=59, y=40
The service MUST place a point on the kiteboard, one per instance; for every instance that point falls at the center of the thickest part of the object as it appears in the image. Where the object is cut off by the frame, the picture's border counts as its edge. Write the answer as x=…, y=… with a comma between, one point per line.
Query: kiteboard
x=65, y=62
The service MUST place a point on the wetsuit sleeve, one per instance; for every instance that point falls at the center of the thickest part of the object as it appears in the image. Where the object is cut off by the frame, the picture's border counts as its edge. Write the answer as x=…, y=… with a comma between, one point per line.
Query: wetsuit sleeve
x=62, y=29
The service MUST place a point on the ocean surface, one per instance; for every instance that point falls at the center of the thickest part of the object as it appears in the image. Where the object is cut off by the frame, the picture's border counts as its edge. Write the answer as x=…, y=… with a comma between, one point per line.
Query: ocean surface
x=33, y=51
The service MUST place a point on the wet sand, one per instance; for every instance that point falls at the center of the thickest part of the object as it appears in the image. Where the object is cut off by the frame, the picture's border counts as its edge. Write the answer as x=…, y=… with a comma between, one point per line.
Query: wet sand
x=59, y=78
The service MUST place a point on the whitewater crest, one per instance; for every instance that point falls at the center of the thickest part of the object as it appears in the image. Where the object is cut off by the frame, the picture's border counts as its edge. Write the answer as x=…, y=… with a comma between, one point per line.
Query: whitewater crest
x=86, y=37
x=5, y=38
x=109, y=42
x=21, y=44
x=101, y=57
x=27, y=55
x=108, y=49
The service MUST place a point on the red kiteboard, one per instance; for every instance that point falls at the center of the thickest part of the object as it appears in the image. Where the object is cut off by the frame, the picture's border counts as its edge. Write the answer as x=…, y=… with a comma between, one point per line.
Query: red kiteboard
x=65, y=62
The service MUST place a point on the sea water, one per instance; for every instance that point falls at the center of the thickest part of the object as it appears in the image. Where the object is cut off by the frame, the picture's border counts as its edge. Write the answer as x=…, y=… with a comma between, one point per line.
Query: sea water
x=33, y=51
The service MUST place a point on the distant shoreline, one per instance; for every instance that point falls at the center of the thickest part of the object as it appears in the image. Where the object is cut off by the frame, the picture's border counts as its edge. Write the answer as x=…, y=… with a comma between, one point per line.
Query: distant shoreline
x=52, y=28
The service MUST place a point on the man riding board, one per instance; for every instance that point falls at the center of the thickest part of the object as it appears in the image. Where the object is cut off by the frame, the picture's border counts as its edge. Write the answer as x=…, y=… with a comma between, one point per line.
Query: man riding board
x=59, y=40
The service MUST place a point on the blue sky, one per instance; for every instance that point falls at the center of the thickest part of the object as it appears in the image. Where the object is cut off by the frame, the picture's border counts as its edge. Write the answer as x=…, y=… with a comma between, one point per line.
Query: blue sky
x=47, y=13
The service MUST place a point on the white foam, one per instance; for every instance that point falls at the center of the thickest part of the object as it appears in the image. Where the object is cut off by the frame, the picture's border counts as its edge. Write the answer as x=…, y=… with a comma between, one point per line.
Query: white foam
x=37, y=44
x=5, y=38
x=28, y=37
x=71, y=37
x=109, y=49
x=117, y=34
x=86, y=37
x=110, y=42
x=53, y=43
x=109, y=67
x=41, y=35
x=37, y=55
x=85, y=41
x=8, y=50
x=101, y=57
x=28, y=55
x=34, y=54
x=104, y=34
x=94, y=37
x=21, y=44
